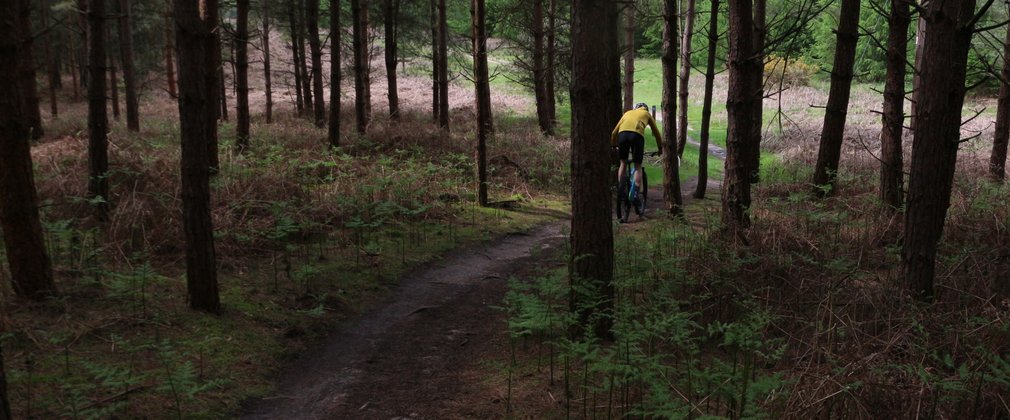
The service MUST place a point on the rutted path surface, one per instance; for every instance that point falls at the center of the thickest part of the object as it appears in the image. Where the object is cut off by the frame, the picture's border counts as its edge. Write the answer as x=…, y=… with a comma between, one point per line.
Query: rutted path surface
x=402, y=358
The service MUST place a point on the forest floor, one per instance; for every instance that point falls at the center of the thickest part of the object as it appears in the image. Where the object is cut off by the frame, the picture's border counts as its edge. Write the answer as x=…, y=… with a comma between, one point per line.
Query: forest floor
x=438, y=346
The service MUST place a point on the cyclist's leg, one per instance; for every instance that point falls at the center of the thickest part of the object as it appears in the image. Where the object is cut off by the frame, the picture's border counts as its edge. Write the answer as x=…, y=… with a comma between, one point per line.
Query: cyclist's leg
x=638, y=152
x=624, y=145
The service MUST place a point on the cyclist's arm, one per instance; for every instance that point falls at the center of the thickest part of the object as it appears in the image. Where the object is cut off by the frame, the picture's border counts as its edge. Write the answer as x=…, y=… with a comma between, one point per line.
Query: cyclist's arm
x=655, y=132
x=613, y=134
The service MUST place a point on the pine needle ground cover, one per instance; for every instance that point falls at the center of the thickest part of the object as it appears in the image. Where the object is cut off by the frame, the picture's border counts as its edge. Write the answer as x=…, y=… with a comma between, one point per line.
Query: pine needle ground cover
x=304, y=237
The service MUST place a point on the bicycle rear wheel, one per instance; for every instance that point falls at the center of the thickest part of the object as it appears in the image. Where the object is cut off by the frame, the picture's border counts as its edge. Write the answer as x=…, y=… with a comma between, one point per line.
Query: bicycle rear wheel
x=623, y=202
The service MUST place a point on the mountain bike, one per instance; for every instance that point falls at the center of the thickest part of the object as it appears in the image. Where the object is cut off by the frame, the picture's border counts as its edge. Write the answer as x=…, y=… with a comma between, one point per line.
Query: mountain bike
x=632, y=196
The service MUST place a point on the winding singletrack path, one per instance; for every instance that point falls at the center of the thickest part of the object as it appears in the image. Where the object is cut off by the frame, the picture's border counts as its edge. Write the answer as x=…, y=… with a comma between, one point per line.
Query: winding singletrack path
x=402, y=358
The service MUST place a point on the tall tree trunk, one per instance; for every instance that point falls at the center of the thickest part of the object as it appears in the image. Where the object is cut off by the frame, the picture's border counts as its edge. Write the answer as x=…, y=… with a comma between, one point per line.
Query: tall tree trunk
x=334, y=129
x=539, y=72
x=685, y=78
x=551, y=97
x=212, y=72
x=303, y=60
x=391, y=10
x=483, y=93
x=28, y=82
x=920, y=41
x=126, y=54
x=736, y=197
x=706, y=107
x=82, y=58
x=443, y=66
x=591, y=266
x=629, y=55
x=196, y=116
x=169, y=51
x=893, y=117
x=31, y=270
x=242, y=75
x=52, y=68
x=98, y=120
x=223, y=94
x=671, y=160
x=754, y=164
x=936, y=138
x=435, y=108
x=295, y=59
x=997, y=160
x=113, y=79
x=316, y=49
x=5, y=405
x=359, y=12
x=267, y=88
x=833, y=130
x=73, y=68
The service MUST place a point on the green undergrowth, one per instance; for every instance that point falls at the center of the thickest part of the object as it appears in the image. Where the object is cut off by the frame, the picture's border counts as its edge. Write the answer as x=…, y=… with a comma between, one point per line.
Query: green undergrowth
x=304, y=237
x=810, y=320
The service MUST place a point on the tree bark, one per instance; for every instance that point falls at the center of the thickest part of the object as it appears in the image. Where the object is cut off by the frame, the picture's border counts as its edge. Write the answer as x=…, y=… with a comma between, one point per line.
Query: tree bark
x=629, y=56
x=223, y=93
x=113, y=79
x=685, y=78
x=539, y=71
x=550, y=71
x=303, y=60
x=833, y=130
x=671, y=160
x=936, y=138
x=30, y=267
x=242, y=75
x=362, y=84
x=754, y=162
x=196, y=115
x=169, y=51
x=295, y=58
x=443, y=67
x=920, y=40
x=334, y=129
x=73, y=68
x=706, y=108
x=316, y=49
x=212, y=72
x=53, y=70
x=594, y=75
x=391, y=10
x=28, y=83
x=435, y=61
x=126, y=60
x=997, y=160
x=483, y=94
x=267, y=82
x=5, y=405
x=893, y=116
x=736, y=196
x=98, y=120
x=82, y=58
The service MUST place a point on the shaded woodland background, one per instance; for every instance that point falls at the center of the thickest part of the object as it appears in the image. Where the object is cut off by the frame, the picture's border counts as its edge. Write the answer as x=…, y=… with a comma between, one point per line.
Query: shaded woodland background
x=185, y=208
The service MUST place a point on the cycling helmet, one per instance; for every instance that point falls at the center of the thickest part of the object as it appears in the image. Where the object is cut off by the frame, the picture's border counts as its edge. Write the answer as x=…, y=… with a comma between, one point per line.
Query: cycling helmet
x=641, y=105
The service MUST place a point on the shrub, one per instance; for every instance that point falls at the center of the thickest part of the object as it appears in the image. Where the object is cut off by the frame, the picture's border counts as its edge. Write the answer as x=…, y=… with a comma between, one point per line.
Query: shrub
x=795, y=72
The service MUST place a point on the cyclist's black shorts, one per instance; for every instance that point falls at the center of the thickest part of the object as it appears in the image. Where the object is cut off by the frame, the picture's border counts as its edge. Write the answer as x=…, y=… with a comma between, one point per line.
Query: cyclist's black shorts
x=633, y=142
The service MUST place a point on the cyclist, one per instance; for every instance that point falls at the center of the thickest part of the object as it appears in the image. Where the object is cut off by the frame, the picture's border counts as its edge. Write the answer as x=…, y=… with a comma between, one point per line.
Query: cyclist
x=629, y=136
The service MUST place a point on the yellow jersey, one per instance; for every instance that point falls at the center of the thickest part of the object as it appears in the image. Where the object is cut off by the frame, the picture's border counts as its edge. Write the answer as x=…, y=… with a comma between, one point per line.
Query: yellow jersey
x=636, y=120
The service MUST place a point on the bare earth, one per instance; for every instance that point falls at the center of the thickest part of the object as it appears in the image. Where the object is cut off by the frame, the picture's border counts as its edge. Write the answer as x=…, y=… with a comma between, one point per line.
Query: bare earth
x=405, y=358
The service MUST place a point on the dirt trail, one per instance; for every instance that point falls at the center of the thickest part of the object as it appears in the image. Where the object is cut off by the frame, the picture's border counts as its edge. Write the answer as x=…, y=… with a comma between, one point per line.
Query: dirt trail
x=399, y=359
